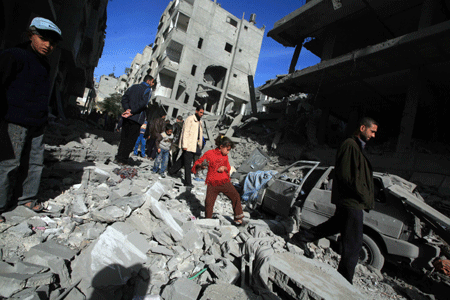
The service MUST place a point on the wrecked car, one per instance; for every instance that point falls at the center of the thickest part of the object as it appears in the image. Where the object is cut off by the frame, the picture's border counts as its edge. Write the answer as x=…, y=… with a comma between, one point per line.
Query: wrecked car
x=394, y=229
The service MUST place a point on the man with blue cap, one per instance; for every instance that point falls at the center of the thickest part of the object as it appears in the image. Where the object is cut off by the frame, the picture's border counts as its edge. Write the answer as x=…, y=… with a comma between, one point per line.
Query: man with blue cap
x=24, y=99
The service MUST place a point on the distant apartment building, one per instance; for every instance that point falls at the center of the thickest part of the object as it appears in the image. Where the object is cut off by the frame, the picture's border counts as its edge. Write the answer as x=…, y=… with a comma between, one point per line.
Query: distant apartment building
x=83, y=25
x=202, y=54
x=106, y=87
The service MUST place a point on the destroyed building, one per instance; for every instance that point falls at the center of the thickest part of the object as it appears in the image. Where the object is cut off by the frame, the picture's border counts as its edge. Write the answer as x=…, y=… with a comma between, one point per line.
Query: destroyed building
x=386, y=58
x=202, y=54
x=83, y=25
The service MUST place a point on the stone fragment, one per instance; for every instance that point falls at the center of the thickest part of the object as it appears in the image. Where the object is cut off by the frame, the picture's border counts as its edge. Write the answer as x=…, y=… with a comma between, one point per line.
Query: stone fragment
x=40, y=279
x=75, y=294
x=181, y=289
x=78, y=207
x=133, y=202
x=110, y=214
x=222, y=291
x=12, y=283
x=207, y=223
x=232, y=248
x=161, y=250
x=19, y=214
x=51, y=248
x=193, y=239
x=225, y=270
x=110, y=260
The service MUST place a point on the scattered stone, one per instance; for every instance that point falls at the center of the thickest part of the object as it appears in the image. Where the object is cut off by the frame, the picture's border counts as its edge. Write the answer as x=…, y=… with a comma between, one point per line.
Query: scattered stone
x=181, y=289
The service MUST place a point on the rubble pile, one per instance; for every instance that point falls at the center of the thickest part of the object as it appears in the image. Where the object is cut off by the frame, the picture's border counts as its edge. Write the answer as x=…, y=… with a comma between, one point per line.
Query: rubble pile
x=107, y=236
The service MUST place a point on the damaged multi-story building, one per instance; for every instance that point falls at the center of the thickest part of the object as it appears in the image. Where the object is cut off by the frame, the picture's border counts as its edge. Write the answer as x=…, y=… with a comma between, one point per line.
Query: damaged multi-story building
x=83, y=25
x=385, y=58
x=202, y=54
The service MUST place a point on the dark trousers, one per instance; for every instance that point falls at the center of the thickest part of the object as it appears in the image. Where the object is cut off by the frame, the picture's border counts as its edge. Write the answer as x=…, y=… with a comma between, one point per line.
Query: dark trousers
x=228, y=190
x=128, y=137
x=151, y=148
x=186, y=161
x=349, y=223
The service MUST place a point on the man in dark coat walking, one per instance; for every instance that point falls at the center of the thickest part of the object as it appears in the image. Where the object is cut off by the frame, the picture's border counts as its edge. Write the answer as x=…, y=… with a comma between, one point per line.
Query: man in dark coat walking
x=352, y=192
x=134, y=102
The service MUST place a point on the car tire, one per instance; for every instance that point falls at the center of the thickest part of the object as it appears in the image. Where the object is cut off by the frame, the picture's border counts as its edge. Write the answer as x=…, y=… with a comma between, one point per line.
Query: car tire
x=370, y=253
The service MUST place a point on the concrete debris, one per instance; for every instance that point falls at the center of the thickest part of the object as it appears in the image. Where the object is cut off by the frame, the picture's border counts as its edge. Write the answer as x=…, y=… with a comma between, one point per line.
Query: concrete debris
x=181, y=289
x=144, y=237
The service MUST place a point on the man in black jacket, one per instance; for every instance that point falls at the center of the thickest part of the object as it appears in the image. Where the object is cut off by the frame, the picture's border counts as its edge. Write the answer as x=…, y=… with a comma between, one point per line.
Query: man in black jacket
x=352, y=192
x=24, y=99
x=134, y=102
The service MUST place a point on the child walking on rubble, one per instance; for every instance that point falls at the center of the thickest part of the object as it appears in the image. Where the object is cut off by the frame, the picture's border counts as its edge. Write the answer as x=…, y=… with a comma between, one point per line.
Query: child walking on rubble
x=163, y=145
x=218, y=178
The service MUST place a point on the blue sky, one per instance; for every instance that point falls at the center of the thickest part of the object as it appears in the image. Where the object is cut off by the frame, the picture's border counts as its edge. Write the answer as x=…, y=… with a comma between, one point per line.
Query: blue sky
x=132, y=24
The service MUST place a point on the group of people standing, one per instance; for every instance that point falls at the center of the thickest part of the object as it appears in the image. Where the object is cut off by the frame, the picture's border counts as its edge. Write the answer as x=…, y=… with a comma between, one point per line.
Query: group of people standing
x=25, y=91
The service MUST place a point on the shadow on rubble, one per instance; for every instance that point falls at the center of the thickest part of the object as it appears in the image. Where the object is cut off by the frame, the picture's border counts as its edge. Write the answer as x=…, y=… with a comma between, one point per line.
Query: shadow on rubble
x=432, y=286
x=192, y=201
x=59, y=176
x=118, y=282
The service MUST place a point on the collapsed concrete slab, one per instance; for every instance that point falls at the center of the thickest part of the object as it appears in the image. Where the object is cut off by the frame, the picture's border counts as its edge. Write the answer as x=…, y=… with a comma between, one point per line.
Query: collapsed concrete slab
x=118, y=252
x=296, y=277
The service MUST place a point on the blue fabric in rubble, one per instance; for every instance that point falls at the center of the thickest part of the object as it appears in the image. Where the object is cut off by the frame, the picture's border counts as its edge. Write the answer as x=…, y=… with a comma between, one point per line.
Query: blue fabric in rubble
x=254, y=182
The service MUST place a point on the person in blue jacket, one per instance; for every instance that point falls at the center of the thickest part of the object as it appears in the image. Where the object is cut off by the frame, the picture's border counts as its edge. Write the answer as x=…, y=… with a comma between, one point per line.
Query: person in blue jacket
x=24, y=99
x=134, y=102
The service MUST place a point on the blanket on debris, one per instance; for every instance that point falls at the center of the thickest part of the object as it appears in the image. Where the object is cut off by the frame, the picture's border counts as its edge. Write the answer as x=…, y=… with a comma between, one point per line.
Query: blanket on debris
x=253, y=183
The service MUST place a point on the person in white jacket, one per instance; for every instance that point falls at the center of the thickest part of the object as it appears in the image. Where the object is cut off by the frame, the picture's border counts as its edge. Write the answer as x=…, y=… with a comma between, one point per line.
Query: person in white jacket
x=191, y=141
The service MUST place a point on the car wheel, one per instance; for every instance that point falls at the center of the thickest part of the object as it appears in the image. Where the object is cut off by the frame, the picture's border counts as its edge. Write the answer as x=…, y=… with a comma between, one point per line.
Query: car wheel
x=370, y=253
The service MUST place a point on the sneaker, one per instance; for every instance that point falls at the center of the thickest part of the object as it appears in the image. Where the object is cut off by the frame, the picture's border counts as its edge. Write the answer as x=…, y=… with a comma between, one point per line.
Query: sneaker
x=163, y=175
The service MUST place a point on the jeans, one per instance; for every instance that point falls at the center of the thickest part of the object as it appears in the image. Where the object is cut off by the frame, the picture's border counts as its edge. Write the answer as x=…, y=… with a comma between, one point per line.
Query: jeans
x=20, y=174
x=161, y=161
x=140, y=141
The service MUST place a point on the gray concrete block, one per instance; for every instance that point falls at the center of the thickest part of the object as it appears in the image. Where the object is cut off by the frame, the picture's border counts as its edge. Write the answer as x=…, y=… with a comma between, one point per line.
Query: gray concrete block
x=78, y=207
x=193, y=239
x=119, y=251
x=75, y=294
x=41, y=279
x=12, y=283
x=133, y=202
x=181, y=289
x=223, y=291
x=224, y=270
x=215, y=236
x=163, y=237
x=162, y=250
x=207, y=223
x=53, y=248
x=231, y=247
x=173, y=263
x=19, y=214
x=296, y=275
x=110, y=214
x=30, y=294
